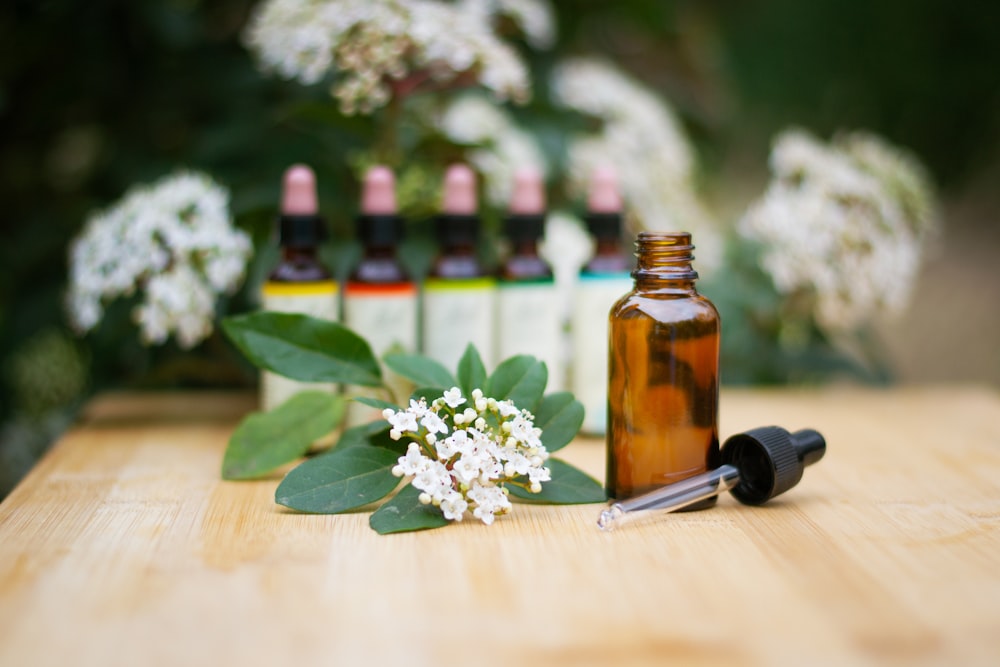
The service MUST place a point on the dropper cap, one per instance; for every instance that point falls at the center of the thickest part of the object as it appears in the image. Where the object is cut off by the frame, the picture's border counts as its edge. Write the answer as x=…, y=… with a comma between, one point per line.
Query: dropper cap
x=526, y=212
x=299, y=225
x=604, y=204
x=770, y=460
x=458, y=223
x=379, y=223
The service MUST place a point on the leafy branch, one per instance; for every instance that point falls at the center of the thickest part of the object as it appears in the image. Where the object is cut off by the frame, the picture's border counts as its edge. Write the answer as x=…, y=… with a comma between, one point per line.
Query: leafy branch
x=363, y=466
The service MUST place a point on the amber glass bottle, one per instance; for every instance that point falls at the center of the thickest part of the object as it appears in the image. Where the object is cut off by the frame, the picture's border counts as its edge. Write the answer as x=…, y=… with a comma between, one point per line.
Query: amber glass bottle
x=663, y=386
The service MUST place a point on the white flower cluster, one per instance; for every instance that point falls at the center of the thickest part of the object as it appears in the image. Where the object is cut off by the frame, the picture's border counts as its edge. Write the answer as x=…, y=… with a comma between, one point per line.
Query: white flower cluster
x=378, y=44
x=845, y=221
x=500, y=146
x=643, y=141
x=173, y=240
x=460, y=459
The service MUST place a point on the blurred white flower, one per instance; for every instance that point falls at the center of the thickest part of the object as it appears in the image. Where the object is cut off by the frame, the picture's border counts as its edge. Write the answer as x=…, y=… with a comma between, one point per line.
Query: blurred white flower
x=174, y=242
x=468, y=469
x=499, y=146
x=846, y=222
x=641, y=138
x=378, y=45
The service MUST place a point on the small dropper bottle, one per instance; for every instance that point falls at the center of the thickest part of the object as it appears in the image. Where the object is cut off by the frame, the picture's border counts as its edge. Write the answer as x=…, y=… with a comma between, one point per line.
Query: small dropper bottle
x=299, y=283
x=528, y=320
x=458, y=303
x=380, y=300
x=602, y=281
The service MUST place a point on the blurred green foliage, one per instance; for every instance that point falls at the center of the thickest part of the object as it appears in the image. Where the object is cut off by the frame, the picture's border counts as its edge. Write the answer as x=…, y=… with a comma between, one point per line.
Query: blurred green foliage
x=97, y=96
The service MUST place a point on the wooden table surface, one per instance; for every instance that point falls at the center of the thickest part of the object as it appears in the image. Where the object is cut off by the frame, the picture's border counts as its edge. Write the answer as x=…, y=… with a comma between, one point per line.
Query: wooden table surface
x=123, y=547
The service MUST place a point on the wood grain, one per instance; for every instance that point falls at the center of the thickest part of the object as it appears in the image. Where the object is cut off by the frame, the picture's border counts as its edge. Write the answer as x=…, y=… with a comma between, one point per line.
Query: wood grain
x=123, y=547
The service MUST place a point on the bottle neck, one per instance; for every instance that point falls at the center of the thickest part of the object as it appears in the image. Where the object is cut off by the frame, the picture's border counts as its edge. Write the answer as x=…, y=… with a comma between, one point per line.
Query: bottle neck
x=524, y=247
x=664, y=262
x=607, y=246
x=298, y=254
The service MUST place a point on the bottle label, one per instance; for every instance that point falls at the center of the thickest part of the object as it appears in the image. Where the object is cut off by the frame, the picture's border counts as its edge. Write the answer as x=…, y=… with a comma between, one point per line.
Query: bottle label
x=385, y=316
x=528, y=322
x=458, y=312
x=318, y=299
x=593, y=298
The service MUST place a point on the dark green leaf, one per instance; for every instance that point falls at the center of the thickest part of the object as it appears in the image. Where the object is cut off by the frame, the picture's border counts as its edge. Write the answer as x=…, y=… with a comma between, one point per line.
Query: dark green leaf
x=422, y=370
x=521, y=379
x=304, y=348
x=372, y=434
x=559, y=416
x=265, y=440
x=471, y=371
x=339, y=480
x=568, y=486
x=428, y=393
x=375, y=402
x=404, y=513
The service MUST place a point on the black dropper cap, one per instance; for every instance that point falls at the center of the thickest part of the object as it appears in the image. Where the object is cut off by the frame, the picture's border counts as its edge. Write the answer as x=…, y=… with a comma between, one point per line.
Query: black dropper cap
x=301, y=231
x=770, y=460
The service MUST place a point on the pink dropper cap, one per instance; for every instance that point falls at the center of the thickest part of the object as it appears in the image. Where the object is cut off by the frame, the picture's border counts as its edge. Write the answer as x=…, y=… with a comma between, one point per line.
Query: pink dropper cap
x=528, y=197
x=298, y=195
x=459, y=196
x=603, y=196
x=378, y=194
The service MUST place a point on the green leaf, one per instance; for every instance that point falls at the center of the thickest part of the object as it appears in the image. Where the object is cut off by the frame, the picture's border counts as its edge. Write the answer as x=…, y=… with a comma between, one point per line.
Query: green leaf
x=568, y=486
x=339, y=480
x=521, y=379
x=471, y=371
x=404, y=513
x=375, y=402
x=560, y=416
x=304, y=348
x=422, y=370
x=428, y=393
x=372, y=434
x=265, y=440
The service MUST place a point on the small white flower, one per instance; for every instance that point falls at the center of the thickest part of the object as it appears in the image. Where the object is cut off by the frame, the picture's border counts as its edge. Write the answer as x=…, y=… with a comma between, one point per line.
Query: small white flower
x=404, y=421
x=413, y=463
x=453, y=506
x=507, y=409
x=433, y=423
x=453, y=397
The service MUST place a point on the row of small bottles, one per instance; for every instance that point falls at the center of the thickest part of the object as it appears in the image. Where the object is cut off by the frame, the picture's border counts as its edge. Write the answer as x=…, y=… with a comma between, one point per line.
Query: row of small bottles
x=512, y=311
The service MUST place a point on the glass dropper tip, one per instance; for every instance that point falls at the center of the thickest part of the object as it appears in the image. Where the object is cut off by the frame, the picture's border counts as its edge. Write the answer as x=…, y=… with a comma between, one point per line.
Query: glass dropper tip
x=610, y=517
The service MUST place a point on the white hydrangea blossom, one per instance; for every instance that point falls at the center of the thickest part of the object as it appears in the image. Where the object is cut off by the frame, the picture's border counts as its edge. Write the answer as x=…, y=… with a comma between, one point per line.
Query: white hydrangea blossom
x=376, y=45
x=643, y=141
x=845, y=221
x=172, y=240
x=461, y=459
x=500, y=146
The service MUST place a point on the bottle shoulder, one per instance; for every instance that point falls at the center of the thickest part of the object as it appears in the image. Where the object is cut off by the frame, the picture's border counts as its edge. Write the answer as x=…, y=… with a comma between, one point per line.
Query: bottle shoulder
x=525, y=267
x=299, y=272
x=379, y=270
x=457, y=266
x=664, y=307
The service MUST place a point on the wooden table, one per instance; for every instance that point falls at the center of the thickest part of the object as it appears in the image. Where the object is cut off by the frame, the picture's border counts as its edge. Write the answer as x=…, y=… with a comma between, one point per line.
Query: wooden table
x=123, y=547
